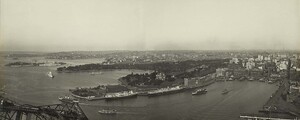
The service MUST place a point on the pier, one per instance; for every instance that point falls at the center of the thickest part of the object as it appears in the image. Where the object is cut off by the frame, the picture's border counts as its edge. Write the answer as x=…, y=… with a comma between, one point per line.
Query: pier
x=260, y=116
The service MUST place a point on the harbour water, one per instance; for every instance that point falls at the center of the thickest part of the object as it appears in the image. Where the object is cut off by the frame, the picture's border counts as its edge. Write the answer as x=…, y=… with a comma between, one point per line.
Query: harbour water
x=31, y=85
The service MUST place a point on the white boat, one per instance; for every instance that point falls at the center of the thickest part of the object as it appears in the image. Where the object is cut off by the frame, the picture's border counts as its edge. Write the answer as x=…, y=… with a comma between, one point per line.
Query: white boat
x=50, y=74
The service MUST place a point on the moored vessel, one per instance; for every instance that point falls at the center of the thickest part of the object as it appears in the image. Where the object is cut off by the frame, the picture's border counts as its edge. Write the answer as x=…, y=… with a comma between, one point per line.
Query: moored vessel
x=167, y=90
x=199, y=92
x=108, y=112
x=119, y=95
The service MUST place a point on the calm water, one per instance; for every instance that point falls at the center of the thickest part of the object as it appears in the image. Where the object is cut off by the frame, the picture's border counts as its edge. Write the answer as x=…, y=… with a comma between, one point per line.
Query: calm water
x=31, y=85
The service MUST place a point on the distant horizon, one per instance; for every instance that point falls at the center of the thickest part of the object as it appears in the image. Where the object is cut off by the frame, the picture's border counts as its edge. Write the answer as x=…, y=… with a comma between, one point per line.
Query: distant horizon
x=258, y=50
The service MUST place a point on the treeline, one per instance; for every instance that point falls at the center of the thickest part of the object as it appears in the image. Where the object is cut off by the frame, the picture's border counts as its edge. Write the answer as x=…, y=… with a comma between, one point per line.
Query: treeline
x=166, y=67
x=145, y=79
x=22, y=64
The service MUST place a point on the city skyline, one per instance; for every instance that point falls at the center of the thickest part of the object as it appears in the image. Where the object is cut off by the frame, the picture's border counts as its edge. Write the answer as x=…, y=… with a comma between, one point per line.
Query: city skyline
x=75, y=25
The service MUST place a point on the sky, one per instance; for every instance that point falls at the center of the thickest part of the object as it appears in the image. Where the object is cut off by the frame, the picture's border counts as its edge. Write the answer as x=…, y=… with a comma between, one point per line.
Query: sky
x=95, y=25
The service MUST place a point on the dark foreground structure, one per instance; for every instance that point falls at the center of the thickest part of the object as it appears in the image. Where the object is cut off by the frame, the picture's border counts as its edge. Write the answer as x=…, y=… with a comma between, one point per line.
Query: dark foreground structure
x=10, y=110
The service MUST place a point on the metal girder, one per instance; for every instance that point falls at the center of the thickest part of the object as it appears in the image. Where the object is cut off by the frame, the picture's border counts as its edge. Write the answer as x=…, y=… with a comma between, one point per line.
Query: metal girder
x=10, y=110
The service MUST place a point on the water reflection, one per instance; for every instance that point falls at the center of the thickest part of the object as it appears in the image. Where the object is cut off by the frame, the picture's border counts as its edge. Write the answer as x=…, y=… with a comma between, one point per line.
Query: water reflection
x=31, y=85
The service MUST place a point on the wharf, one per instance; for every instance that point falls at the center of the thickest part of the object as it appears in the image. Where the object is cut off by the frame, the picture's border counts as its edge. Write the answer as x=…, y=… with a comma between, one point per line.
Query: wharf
x=207, y=83
x=277, y=100
x=276, y=108
x=271, y=116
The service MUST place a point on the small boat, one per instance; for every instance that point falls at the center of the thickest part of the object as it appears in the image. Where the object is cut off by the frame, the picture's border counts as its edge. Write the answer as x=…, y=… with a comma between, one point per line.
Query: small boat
x=108, y=112
x=68, y=99
x=199, y=92
x=271, y=82
x=251, y=79
x=95, y=73
x=225, y=91
x=50, y=74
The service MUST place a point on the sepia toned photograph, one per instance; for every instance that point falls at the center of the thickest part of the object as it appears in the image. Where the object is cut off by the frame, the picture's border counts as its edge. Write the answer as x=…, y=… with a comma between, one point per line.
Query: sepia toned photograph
x=149, y=59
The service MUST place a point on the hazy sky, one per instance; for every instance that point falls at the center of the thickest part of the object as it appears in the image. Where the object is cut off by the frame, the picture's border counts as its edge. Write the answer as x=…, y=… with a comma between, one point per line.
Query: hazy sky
x=63, y=25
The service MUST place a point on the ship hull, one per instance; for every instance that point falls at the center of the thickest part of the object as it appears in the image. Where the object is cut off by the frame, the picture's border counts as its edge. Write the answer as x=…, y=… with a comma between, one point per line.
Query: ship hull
x=199, y=93
x=121, y=97
x=164, y=93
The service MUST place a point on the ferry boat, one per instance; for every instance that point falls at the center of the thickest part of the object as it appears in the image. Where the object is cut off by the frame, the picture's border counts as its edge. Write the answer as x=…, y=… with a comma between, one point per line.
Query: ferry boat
x=167, y=90
x=68, y=99
x=108, y=112
x=50, y=74
x=199, y=92
x=119, y=95
x=225, y=91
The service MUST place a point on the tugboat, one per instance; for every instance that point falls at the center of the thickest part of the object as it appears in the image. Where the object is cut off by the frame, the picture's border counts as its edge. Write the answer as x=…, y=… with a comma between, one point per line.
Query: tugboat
x=68, y=99
x=225, y=91
x=199, y=92
x=50, y=74
x=108, y=112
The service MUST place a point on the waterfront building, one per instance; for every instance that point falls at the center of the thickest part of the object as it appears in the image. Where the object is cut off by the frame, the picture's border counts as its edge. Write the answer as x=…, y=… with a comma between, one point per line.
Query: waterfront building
x=221, y=72
x=283, y=65
x=260, y=57
x=267, y=58
x=256, y=73
x=186, y=82
x=269, y=68
x=198, y=81
x=239, y=72
x=250, y=65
